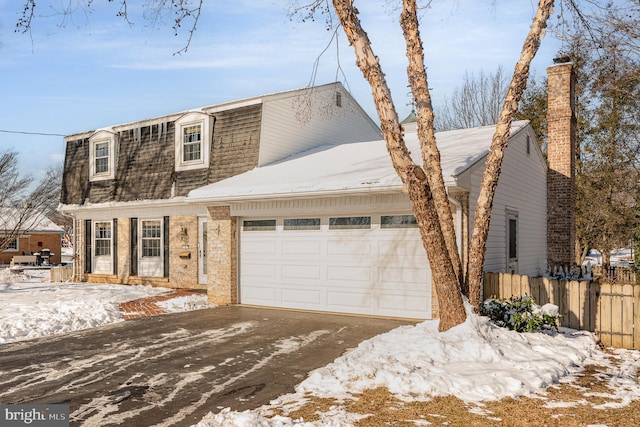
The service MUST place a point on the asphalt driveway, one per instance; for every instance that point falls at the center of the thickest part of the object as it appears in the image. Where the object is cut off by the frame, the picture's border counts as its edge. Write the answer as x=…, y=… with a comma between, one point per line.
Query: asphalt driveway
x=171, y=370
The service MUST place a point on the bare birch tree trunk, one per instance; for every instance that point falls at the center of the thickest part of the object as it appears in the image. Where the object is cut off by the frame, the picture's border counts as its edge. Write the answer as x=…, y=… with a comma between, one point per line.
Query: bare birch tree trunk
x=499, y=143
x=413, y=177
x=426, y=131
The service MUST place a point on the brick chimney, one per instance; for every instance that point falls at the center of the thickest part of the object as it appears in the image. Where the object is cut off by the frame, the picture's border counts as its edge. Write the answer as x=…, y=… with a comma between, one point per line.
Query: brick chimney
x=561, y=150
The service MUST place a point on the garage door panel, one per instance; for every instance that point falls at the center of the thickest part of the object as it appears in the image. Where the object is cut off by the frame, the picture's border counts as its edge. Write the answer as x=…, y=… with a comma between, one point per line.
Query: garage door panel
x=261, y=247
x=402, y=246
x=301, y=295
x=296, y=271
x=260, y=271
x=351, y=302
x=350, y=274
x=260, y=295
x=351, y=247
x=410, y=303
x=301, y=247
x=405, y=275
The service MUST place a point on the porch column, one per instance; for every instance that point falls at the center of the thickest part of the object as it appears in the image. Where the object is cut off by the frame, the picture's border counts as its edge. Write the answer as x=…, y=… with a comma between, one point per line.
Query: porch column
x=222, y=283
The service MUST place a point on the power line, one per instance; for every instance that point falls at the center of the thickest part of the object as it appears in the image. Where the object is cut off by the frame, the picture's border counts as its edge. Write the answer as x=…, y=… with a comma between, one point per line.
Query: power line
x=31, y=133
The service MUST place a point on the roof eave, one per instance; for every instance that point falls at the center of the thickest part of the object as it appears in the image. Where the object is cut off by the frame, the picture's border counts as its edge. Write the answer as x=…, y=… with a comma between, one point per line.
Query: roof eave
x=226, y=200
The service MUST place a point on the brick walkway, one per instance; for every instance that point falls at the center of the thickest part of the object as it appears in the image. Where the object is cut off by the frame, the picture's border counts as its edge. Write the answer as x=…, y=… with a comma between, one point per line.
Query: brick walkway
x=145, y=307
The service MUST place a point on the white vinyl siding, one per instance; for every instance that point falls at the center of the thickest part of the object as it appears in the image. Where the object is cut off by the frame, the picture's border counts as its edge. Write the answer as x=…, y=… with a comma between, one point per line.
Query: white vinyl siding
x=522, y=188
x=290, y=125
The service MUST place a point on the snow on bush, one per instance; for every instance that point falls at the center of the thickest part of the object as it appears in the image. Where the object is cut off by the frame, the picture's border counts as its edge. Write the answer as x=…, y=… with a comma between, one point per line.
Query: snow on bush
x=520, y=314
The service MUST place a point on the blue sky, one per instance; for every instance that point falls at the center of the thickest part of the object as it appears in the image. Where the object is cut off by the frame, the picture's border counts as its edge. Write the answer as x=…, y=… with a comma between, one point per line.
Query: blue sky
x=95, y=70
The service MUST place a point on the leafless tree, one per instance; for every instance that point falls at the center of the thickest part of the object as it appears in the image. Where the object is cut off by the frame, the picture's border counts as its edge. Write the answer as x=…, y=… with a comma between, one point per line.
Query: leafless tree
x=477, y=102
x=423, y=183
x=23, y=205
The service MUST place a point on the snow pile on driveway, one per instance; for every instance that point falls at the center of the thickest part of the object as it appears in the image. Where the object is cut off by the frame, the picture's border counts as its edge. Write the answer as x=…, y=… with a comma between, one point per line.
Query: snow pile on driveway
x=475, y=361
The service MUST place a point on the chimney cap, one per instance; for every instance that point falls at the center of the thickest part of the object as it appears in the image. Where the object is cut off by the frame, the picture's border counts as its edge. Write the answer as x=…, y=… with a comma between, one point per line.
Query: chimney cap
x=562, y=59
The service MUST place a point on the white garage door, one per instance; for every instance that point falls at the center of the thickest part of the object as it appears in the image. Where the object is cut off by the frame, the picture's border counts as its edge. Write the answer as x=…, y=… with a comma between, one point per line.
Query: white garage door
x=370, y=264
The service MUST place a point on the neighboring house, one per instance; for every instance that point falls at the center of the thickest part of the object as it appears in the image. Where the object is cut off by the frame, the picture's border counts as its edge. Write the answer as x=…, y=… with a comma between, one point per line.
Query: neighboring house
x=126, y=185
x=36, y=234
x=330, y=229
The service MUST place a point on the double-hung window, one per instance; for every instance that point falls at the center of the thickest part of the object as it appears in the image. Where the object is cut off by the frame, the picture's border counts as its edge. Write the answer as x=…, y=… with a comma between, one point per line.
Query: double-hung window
x=192, y=141
x=151, y=235
x=102, y=239
x=102, y=156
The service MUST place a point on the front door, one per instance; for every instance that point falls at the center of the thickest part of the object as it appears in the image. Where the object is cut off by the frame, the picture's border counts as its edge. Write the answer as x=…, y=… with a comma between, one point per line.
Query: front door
x=202, y=251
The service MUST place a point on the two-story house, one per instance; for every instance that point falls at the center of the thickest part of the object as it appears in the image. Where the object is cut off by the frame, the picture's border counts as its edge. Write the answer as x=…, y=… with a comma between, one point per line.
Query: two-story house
x=126, y=184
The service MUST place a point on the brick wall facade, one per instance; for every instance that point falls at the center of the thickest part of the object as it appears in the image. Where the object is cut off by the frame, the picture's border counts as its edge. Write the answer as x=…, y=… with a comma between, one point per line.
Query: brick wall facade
x=183, y=256
x=561, y=150
x=183, y=252
x=222, y=242
x=35, y=242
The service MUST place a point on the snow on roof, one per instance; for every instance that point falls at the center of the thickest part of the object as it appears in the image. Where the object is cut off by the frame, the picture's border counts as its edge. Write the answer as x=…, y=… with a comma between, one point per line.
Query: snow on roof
x=349, y=168
x=36, y=222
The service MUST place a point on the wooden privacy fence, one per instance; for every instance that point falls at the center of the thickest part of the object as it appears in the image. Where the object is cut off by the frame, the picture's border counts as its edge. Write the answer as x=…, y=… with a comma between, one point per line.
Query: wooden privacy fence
x=611, y=310
x=61, y=274
x=615, y=274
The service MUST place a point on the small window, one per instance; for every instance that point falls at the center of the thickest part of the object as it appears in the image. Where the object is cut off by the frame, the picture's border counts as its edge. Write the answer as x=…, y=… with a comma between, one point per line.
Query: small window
x=338, y=99
x=151, y=238
x=528, y=145
x=102, y=156
x=13, y=245
x=193, y=134
x=513, y=241
x=302, y=224
x=191, y=143
x=398, y=221
x=350, y=222
x=102, y=238
x=259, y=225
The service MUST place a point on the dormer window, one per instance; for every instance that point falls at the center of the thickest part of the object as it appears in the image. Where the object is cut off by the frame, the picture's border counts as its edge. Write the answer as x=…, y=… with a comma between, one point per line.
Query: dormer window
x=102, y=156
x=193, y=141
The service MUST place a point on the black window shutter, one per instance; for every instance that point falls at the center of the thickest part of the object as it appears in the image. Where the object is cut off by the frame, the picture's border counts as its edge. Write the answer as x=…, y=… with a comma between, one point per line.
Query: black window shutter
x=134, y=247
x=166, y=246
x=114, y=244
x=87, y=246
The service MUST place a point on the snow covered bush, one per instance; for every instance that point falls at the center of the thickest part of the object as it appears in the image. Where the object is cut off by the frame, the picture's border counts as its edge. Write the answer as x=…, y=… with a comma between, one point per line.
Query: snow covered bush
x=521, y=314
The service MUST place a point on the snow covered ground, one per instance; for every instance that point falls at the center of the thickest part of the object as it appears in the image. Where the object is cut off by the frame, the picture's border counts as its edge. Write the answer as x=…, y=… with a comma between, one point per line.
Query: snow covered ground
x=475, y=361
x=32, y=307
